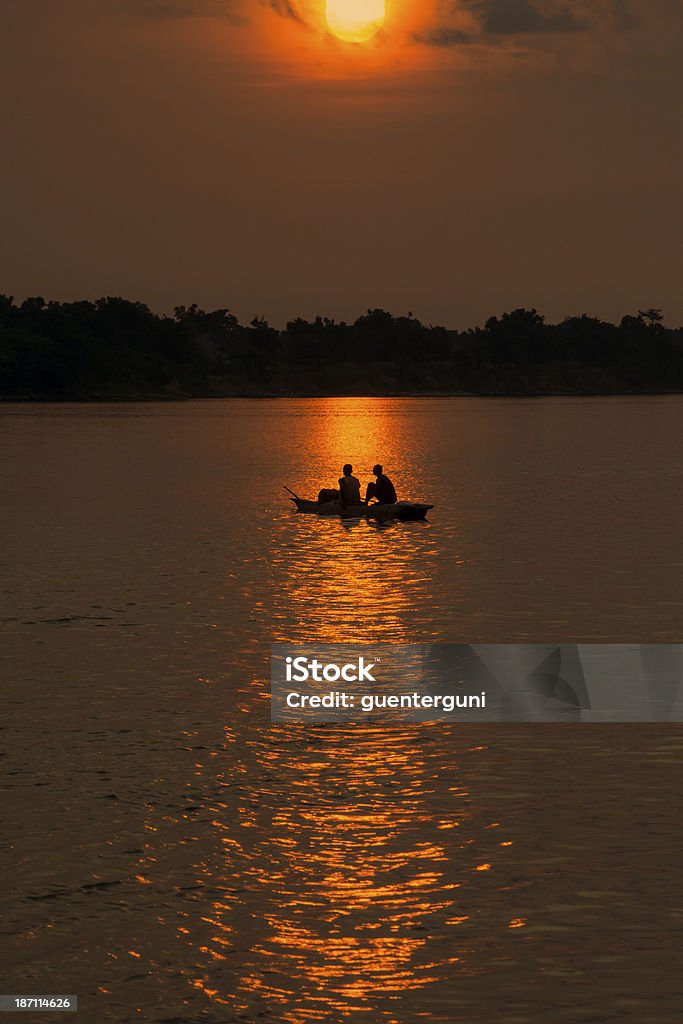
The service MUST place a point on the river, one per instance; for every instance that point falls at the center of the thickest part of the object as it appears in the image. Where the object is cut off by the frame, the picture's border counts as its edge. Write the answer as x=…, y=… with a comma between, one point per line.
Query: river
x=170, y=856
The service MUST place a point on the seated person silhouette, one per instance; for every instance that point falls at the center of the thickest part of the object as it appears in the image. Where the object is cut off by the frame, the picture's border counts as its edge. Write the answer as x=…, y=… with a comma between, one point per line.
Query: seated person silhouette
x=382, y=491
x=349, y=488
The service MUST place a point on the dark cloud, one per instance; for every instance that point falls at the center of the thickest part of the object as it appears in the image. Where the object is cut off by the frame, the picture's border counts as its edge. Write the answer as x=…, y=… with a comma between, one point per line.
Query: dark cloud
x=505, y=18
x=285, y=8
x=514, y=17
x=444, y=36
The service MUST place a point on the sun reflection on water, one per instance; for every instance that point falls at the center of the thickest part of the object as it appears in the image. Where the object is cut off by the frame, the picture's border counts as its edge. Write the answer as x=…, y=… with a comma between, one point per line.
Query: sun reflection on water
x=340, y=869
x=354, y=578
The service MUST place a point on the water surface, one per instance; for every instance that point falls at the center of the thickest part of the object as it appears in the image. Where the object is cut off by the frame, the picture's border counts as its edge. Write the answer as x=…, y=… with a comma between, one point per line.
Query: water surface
x=172, y=857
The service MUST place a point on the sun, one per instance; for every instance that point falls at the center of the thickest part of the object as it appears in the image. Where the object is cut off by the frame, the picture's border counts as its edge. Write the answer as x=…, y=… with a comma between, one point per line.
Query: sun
x=355, y=21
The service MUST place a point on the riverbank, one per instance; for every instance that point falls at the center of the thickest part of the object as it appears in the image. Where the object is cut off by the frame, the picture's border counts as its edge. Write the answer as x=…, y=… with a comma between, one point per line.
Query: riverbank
x=596, y=387
x=115, y=350
x=173, y=399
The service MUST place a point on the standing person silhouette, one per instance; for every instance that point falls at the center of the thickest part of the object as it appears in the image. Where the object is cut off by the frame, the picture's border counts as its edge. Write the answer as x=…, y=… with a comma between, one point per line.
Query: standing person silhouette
x=349, y=487
x=383, y=491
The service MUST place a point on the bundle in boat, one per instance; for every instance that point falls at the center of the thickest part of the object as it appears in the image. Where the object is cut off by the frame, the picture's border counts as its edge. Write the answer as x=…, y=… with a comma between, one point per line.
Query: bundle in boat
x=330, y=505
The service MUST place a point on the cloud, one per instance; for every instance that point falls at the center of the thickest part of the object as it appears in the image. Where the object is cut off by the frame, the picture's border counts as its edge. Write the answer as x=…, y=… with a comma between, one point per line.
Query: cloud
x=489, y=19
x=234, y=10
x=286, y=8
x=514, y=17
x=445, y=36
x=484, y=25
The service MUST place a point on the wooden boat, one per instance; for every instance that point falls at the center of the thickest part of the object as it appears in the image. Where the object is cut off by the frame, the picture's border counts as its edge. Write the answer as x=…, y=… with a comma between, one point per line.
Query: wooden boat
x=404, y=511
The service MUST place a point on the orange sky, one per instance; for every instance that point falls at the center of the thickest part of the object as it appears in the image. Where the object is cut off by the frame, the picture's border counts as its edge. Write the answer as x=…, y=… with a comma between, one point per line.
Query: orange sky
x=477, y=155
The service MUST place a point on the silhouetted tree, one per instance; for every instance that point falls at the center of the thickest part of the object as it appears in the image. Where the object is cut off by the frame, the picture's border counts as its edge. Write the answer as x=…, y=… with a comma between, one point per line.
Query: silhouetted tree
x=517, y=337
x=652, y=317
x=117, y=347
x=586, y=339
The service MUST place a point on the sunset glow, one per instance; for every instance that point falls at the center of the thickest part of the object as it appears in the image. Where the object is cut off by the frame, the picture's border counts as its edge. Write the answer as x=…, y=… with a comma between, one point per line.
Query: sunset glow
x=355, y=21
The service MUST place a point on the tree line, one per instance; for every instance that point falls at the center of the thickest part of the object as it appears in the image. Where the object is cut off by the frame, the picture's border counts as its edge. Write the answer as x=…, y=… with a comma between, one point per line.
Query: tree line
x=117, y=348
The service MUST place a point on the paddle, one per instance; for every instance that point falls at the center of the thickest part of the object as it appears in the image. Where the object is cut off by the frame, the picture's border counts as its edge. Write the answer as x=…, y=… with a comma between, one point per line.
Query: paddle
x=291, y=492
